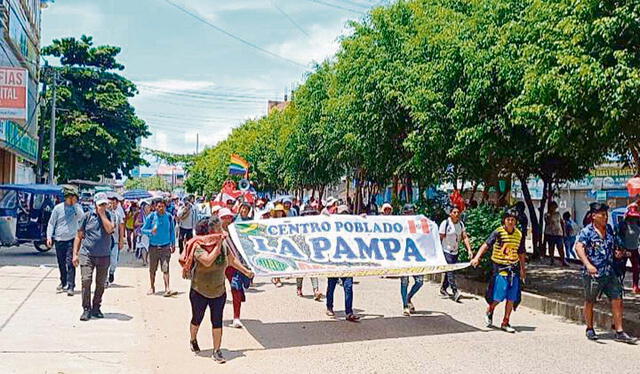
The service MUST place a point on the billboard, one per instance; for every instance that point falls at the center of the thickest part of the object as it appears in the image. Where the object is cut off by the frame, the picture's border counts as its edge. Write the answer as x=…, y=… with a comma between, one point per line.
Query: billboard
x=341, y=246
x=13, y=94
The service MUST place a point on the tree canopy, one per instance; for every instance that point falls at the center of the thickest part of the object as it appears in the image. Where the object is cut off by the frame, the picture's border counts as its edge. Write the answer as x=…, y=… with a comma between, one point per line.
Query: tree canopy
x=434, y=91
x=96, y=126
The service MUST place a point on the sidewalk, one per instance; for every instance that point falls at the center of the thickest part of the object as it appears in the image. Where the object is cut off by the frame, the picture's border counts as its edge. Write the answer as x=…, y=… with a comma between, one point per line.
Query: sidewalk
x=558, y=291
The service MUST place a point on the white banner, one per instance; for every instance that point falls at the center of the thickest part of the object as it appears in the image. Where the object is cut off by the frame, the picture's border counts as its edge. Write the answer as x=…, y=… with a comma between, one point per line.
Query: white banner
x=341, y=246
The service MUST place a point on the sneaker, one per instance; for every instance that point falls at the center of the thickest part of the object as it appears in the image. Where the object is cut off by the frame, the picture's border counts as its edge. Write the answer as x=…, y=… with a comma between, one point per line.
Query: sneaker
x=488, y=319
x=591, y=334
x=111, y=278
x=330, y=313
x=444, y=292
x=60, y=288
x=623, y=337
x=194, y=346
x=406, y=312
x=236, y=324
x=70, y=291
x=217, y=357
x=507, y=327
x=412, y=309
x=97, y=313
x=86, y=315
x=456, y=296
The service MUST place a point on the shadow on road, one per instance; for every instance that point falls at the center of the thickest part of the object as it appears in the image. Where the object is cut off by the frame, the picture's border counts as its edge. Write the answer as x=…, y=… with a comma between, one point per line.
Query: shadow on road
x=298, y=334
x=118, y=316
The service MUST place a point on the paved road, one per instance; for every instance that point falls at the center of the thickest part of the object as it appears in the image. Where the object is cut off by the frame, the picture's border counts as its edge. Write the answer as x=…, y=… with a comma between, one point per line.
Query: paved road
x=40, y=331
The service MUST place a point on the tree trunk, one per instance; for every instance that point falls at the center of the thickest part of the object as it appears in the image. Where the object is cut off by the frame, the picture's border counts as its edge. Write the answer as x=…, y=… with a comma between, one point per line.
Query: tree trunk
x=635, y=153
x=474, y=190
x=541, y=209
x=347, y=197
x=536, y=231
x=394, y=189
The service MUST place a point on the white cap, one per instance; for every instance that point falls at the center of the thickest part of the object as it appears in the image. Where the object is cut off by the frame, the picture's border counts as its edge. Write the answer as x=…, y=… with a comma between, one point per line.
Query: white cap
x=386, y=206
x=225, y=212
x=101, y=198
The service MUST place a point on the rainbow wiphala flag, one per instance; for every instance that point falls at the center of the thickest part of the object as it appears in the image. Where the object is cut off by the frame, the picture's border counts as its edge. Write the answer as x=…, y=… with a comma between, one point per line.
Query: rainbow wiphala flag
x=238, y=165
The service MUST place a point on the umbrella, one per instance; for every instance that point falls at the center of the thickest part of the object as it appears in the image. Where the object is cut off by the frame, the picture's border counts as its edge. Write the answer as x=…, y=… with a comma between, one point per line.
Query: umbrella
x=137, y=194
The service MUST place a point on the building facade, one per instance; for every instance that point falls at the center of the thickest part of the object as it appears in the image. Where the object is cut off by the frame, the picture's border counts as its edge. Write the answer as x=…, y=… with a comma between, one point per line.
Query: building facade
x=20, y=48
x=606, y=183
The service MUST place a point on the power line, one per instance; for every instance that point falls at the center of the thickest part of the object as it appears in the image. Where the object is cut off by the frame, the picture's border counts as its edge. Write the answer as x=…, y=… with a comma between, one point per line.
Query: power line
x=243, y=41
x=293, y=22
x=335, y=6
x=208, y=96
x=203, y=93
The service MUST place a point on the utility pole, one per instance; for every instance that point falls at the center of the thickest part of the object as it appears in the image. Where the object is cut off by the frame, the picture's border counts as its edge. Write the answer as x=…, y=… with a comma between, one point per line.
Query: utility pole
x=52, y=133
x=197, y=142
x=41, y=134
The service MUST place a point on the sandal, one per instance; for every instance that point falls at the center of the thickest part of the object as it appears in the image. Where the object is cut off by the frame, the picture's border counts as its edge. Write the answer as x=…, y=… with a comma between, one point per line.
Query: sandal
x=317, y=296
x=353, y=318
x=167, y=294
x=151, y=292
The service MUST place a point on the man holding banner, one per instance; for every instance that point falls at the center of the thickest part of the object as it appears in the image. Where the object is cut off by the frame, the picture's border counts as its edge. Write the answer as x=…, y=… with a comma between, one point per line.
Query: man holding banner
x=341, y=246
x=347, y=285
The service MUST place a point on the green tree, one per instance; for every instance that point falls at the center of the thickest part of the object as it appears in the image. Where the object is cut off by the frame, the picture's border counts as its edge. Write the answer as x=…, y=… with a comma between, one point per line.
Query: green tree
x=96, y=126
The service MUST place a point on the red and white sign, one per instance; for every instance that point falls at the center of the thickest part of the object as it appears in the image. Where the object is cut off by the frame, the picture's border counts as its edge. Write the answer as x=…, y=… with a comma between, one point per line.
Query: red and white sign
x=13, y=94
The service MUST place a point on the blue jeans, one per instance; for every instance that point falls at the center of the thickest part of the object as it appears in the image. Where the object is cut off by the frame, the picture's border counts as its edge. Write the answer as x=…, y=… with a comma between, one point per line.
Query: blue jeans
x=115, y=254
x=569, y=242
x=404, y=285
x=64, y=253
x=347, y=284
x=449, y=278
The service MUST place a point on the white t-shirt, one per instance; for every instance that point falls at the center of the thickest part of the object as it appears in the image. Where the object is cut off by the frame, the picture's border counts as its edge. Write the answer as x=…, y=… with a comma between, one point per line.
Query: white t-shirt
x=453, y=235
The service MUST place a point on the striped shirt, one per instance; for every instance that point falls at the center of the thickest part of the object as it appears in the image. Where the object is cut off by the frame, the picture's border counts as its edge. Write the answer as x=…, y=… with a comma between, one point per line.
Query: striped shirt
x=506, y=246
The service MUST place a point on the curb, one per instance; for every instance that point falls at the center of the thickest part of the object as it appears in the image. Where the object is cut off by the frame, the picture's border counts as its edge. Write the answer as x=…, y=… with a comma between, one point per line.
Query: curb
x=602, y=317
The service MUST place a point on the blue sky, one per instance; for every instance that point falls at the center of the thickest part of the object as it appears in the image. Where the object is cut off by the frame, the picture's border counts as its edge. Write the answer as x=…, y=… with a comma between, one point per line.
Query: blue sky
x=194, y=79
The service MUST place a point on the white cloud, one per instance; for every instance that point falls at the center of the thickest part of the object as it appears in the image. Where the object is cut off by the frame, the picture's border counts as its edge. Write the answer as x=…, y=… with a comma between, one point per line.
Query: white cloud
x=322, y=43
x=157, y=140
x=206, y=139
x=213, y=9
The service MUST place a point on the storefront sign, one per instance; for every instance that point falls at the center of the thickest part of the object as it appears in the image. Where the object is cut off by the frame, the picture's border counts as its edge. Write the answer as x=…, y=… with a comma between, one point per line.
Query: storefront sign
x=13, y=94
x=18, y=140
x=341, y=246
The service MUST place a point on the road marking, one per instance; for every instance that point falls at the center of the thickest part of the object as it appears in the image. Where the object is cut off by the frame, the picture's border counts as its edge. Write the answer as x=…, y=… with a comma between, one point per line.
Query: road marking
x=25, y=300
